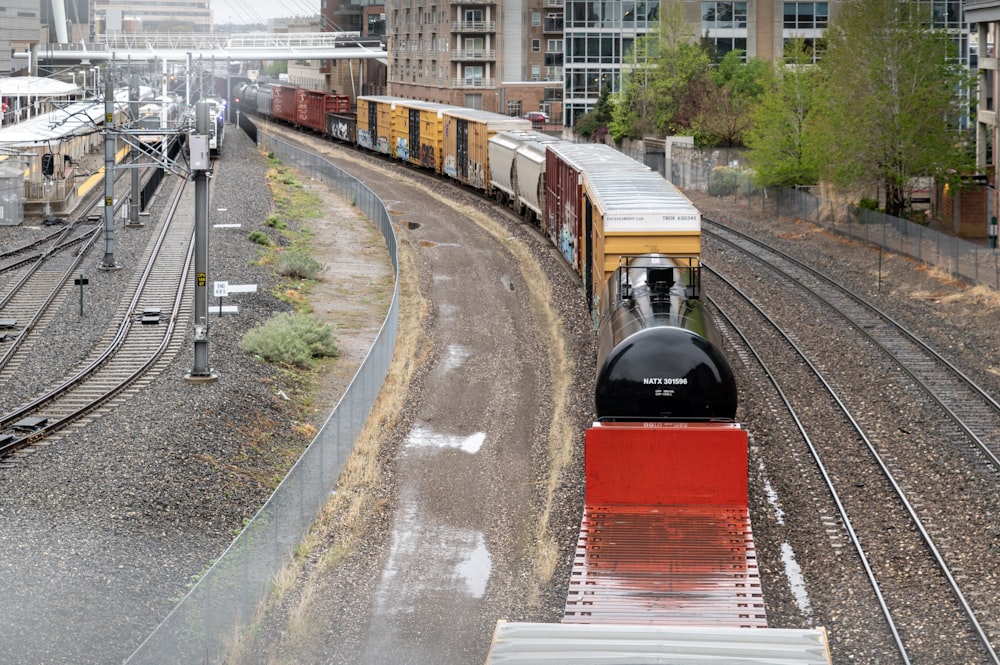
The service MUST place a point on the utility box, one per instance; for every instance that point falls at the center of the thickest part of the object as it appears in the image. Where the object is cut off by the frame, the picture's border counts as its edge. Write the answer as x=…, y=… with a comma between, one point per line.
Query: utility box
x=11, y=195
x=198, y=147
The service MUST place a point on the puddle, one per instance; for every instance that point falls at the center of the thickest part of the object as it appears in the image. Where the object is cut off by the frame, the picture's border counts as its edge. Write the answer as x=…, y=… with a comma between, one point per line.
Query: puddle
x=423, y=437
x=454, y=357
x=796, y=581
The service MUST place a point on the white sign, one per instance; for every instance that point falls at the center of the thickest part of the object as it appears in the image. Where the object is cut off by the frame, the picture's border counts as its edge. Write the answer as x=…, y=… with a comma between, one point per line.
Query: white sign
x=221, y=289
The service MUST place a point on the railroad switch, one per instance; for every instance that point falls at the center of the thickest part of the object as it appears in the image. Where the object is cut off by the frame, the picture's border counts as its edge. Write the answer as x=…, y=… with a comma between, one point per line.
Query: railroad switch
x=30, y=424
x=150, y=316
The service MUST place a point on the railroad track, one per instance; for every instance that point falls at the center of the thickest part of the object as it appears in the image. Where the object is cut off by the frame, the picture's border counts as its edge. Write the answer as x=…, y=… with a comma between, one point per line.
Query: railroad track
x=37, y=273
x=889, y=437
x=128, y=353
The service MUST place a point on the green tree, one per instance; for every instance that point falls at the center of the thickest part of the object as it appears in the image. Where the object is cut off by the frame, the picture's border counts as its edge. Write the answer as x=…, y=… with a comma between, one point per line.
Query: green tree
x=666, y=75
x=596, y=120
x=891, y=100
x=724, y=114
x=780, y=140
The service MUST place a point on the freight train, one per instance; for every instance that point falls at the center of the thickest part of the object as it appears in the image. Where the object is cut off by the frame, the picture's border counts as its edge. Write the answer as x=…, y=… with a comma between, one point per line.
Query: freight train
x=665, y=558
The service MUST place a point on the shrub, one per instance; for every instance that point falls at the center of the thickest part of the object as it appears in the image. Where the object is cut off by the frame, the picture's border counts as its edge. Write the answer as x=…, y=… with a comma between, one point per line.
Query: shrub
x=274, y=221
x=868, y=203
x=260, y=238
x=291, y=339
x=298, y=265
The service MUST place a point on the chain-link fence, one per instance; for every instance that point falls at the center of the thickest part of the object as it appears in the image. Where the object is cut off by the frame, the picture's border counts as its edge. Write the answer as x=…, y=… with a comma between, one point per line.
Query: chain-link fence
x=200, y=628
x=723, y=174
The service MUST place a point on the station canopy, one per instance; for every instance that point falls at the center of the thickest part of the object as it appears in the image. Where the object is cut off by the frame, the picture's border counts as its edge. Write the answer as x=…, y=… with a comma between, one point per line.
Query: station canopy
x=36, y=86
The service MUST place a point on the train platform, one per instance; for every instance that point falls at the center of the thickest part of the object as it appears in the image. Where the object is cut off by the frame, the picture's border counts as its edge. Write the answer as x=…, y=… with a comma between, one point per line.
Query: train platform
x=70, y=141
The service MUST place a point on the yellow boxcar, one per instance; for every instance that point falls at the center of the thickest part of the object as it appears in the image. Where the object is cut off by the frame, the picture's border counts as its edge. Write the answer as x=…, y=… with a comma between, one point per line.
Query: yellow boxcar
x=418, y=132
x=467, y=134
x=375, y=122
x=632, y=210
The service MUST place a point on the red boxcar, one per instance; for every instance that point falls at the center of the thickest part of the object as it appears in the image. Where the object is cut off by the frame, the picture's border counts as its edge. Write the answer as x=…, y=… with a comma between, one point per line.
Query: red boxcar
x=312, y=106
x=283, y=104
x=563, y=219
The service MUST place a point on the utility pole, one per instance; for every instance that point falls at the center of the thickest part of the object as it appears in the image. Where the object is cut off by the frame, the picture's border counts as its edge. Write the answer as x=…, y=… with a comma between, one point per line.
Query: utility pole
x=133, y=111
x=109, y=176
x=200, y=162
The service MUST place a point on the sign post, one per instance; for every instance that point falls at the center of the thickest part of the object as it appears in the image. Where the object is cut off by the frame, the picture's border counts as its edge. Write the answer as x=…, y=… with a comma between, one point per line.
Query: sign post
x=221, y=290
x=80, y=281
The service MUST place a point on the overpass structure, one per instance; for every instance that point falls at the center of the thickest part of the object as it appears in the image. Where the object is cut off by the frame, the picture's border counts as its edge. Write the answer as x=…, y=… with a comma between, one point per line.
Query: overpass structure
x=202, y=47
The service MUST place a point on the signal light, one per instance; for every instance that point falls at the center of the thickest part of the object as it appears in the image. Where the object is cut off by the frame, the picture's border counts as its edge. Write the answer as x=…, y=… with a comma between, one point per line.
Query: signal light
x=48, y=164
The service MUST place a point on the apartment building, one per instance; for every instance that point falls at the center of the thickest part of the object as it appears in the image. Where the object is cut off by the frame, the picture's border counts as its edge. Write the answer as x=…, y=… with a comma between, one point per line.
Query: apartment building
x=600, y=34
x=22, y=29
x=984, y=16
x=556, y=55
x=501, y=57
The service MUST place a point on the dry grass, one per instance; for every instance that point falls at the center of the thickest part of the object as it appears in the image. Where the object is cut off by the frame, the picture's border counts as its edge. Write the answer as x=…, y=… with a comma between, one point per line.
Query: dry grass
x=956, y=292
x=344, y=518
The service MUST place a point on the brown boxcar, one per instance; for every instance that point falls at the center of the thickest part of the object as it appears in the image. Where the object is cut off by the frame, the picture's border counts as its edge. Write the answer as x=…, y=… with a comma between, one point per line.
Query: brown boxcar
x=283, y=102
x=313, y=105
x=563, y=195
x=311, y=109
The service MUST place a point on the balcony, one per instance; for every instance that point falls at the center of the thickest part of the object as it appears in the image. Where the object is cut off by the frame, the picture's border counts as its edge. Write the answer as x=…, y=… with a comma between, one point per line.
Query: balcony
x=474, y=54
x=474, y=2
x=550, y=4
x=553, y=25
x=473, y=26
x=473, y=83
x=553, y=59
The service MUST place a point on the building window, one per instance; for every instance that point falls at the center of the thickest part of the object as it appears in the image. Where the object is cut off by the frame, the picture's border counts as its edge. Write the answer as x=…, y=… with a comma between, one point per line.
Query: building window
x=473, y=75
x=716, y=15
x=536, y=18
x=554, y=46
x=806, y=15
x=536, y=72
x=536, y=45
x=813, y=48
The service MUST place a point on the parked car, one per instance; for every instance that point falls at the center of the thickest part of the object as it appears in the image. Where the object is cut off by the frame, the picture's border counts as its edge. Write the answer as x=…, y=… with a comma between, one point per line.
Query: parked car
x=536, y=116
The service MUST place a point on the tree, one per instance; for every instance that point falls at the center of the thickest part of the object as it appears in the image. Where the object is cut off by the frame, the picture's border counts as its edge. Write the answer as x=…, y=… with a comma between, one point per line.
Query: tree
x=891, y=105
x=780, y=140
x=724, y=113
x=596, y=121
x=666, y=74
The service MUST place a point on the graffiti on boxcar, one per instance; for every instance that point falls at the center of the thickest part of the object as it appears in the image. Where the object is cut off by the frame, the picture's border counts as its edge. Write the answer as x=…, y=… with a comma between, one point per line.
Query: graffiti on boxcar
x=402, y=149
x=365, y=139
x=427, y=156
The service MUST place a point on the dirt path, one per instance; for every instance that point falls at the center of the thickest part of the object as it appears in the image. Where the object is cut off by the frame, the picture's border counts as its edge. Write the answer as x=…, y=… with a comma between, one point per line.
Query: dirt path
x=436, y=534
